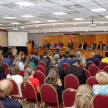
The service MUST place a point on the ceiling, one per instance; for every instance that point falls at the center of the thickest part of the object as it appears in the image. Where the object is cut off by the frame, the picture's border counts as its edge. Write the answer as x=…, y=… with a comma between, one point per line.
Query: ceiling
x=43, y=10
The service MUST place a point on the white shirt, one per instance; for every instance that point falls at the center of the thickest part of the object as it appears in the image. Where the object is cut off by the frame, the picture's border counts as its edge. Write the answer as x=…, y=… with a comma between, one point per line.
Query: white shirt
x=18, y=79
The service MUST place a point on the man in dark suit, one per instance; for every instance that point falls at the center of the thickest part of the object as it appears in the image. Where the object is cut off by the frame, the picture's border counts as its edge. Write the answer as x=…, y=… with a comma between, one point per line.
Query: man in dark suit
x=61, y=71
x=7, y=59
x=82, y=46
x=76, y=71
x=100, y=46
x=31, y=41
x=98, y=56
x=44, y=59
x=35, y=60
x=46, y=44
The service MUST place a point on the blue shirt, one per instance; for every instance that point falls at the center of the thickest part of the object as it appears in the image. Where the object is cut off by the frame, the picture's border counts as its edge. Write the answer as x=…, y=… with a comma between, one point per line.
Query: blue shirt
x=67, y=61
x=8, y=61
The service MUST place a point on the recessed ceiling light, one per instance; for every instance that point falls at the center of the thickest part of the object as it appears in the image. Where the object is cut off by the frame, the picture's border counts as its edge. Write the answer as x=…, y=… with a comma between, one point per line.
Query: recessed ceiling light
x=78, y=18
x=9, y=17
x=106, y=16
x=53, y=24
x=75, y=24
x=36, y=21
x=99, y=9
x=25, y=4
x=59, y=13
x=22, y=27
x=51, y=20
x=2, y=28
x=105, y=30
x=101, y=23
x=0, y=24
x=27, y=16
x=15, y=23
x=36, y=25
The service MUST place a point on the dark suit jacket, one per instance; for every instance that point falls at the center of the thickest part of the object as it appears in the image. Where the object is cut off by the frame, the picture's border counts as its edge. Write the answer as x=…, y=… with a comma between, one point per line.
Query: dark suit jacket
x=46, y=45
x=99, y=47
x=10, y=53
x=45, y=60
x=8, y=61
x=78, y=72
x=61, y=74
x=35, y=60
x=98, y=57
x=84, y=46
x=31, y=42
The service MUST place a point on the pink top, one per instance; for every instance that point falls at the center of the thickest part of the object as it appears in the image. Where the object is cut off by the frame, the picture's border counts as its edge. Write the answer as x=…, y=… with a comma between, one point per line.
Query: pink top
x=58, y=46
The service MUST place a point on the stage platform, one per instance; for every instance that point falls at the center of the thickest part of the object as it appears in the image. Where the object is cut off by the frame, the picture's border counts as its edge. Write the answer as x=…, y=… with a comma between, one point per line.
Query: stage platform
x=86, y=52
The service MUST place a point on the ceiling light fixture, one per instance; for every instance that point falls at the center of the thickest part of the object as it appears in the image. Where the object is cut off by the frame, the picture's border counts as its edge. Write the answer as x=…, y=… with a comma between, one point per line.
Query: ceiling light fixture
x=106, y=16
x=36, y=21
x=59, y=13
x=25, y=4
x=98, y=10
x=78, y=18
x=10, y=17
x=51, y=20
x=27, y=16
x=36, y=25
x=15, y=23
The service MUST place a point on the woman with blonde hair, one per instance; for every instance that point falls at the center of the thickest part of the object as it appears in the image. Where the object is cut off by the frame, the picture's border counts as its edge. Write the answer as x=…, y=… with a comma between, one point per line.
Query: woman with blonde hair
x=49, y=54
x=54, y=80
x=14, y=52
x=83, y=60
x=102, y=87
x=84, y=97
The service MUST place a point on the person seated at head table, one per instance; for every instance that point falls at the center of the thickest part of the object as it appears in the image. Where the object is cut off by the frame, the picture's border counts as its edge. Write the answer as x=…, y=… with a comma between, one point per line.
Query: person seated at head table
x=59, y=45
x=45, y=45
x=100, y=46
x=82, y=46
x=53, y=45
x=92, y=46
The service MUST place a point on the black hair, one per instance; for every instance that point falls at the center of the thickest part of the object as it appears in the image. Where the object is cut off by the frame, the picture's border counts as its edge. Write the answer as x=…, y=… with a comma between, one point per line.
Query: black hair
x=45, y=53
x=36, y=52
x=66, y=55
x=32, y=53
x=7, y=54
x=76, y=62
x=106, y=54
x=9, y=48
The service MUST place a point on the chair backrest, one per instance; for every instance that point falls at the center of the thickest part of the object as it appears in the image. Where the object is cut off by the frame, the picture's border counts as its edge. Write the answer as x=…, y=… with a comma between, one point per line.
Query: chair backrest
x=106, y=69
x=41, y=68
x=71, y=81
x=102, y=66
x=42, y=64
x=93, y=69
x=69, y=97
x=12, y=57
x=91, y=81
x=98, y=61
x=81, y=66
x=90, y=63
x=65, y=65
x=100, y=101
x=87, y=73
x=22, y=73
x=40, y=76
x=5, y=66
x=7, y=71
x=28, y=91
x=25, y=66
x=49, y=94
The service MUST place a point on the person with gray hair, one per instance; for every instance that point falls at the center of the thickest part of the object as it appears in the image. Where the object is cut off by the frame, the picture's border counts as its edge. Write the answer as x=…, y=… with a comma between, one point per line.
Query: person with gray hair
x=77, y=56
x=98, y=56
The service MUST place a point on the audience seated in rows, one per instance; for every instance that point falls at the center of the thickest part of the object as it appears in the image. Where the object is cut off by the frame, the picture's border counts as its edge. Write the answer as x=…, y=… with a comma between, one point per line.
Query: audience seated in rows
x=102, y=87
x=29, y=61
x=61, y=71
x=78, y=72
x=7, y=59
x=84, y=97
x=44, y=59
x=28, y=76
x=54, y=80
x=23, y=57
x=36, y=55
x=35, y=60
x=66, y=60
x=49, y=54
x=6, y=88
x=105, y=60
x=98, y=56
x=77, y=55
x=83, y=60
x=57, y=52
x=2, y=73
x=14, y=74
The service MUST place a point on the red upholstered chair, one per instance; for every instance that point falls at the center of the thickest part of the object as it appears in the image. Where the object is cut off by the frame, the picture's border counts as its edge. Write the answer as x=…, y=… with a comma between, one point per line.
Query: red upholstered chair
x=65, y=65
x=102, y=65
x=87, y=73
x=42, y=64
x=106, y=69
x=7, y=71
x=5, y=66
x=49, y=95
x=98, y=61
x=41, y=68
x=81, y=66
x=25, y=66
x=12, y=57
x=91, y=81
x=28, y=92
x=100, y=101
x=90, y=63
x=69, y=97
x=22, y=73
x=71, y=81
x=93, y=69
x=40, y=76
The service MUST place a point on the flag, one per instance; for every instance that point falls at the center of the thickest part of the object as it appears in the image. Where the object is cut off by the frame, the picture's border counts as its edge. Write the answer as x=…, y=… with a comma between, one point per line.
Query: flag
x=70, y=40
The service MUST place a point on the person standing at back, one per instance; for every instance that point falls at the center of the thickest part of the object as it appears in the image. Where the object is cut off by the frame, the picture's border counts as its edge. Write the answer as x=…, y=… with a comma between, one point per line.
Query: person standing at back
x=76, y=71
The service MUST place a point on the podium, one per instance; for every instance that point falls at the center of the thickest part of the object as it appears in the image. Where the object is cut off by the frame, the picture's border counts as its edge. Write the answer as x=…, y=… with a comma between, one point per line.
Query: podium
x=29, y=48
